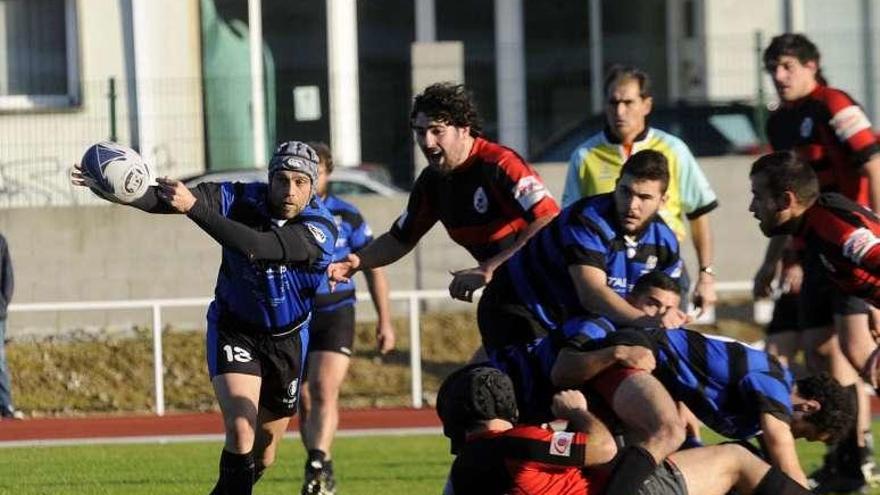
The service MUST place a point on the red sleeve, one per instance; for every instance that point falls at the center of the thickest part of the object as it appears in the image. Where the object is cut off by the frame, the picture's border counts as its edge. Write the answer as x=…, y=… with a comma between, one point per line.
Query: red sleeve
x=534, y=443
x=526, y=186
x=851, y=124
x=858, y=242
x=419, y=216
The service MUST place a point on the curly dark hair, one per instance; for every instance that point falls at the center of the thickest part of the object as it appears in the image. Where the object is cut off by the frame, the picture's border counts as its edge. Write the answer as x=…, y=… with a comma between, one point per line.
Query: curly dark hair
x=449, y=103
x=838, y=406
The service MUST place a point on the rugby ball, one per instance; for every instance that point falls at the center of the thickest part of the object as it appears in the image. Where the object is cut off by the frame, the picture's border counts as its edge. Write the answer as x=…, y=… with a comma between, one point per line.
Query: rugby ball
x=117, y=170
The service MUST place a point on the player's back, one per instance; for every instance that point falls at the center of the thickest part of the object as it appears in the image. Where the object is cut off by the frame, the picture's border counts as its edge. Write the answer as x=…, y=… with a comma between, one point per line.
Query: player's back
x=726, y=383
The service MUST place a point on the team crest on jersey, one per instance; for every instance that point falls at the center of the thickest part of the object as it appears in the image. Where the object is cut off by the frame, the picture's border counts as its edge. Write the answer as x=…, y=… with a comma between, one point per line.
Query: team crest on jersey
x=292, y=388
x=481, y=202
x=806, y=127
x=561, y=443
x=651, y=263
x=317, y=233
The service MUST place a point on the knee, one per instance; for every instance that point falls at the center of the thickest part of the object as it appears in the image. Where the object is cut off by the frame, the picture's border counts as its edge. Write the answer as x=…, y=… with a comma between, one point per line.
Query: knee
x=670, y=433
x=240, y=434
x=324, y=393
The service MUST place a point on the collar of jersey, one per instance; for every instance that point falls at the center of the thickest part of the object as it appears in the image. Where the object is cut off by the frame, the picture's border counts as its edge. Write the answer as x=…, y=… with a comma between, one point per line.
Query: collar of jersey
x=611, y=138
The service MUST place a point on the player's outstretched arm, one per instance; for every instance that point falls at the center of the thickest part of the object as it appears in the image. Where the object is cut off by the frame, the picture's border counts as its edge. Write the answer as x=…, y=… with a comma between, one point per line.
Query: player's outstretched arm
x=780, y=446
x=573, y=367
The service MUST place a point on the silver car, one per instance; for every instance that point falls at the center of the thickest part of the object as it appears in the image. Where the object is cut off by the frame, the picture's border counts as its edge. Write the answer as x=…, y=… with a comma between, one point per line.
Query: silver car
x=343, y=180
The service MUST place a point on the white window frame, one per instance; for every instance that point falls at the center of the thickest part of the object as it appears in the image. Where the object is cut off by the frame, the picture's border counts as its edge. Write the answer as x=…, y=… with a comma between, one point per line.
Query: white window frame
x=72, y=98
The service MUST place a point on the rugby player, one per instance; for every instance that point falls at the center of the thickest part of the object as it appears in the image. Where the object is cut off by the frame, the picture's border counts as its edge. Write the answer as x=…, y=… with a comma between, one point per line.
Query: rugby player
x=486, y=196
x=331, y=335
x=595, y=166
x=586, y=260
x=830, y=131
x=495, y=455
x=277, y=241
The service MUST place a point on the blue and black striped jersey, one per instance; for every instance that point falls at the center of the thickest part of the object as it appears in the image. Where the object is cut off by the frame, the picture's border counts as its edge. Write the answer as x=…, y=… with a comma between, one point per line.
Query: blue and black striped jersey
x=528, y=366
x=585, y=234
x=354, y=234
x=268, y=296
x=726, y=383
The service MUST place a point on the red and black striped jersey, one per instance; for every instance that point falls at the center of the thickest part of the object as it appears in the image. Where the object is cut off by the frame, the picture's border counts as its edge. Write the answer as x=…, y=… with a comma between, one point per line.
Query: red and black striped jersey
x=483, y=203
x=846, y=237
x=829, y=130
x=524, y=460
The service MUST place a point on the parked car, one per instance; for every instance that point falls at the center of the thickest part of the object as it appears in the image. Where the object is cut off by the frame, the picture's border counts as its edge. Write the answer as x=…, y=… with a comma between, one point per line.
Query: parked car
x=364, y=179
x=710, y=129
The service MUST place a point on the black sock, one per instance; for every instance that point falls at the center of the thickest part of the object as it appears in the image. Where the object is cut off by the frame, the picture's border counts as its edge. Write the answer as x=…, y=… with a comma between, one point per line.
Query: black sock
x=328, y=466
x=259, y=469
x=633, y=467
x=236, y=474
x=316, y=459
x=775, y=482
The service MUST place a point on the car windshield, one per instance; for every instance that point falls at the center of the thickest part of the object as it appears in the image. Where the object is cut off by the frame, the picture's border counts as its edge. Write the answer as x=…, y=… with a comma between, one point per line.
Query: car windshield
x=737, y=128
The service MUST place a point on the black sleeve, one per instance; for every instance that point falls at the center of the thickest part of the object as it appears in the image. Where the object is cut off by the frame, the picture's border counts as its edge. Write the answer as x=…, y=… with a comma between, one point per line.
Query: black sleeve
x=287, y=244
x=151, y=203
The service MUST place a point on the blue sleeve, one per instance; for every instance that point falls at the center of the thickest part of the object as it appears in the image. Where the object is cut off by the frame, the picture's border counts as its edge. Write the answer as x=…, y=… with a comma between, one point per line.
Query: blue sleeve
x=768, y=395
x=322, y=234
x=673, y=265
x=582, y=243
x=582, y=329
x=361, y=234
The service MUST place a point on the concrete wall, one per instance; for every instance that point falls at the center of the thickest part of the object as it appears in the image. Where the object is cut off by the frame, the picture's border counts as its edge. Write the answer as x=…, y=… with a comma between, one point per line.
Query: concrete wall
x=113, y=252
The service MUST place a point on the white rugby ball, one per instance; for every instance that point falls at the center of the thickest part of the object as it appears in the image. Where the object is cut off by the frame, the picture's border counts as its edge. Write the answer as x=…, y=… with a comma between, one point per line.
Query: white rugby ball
x=117, y=170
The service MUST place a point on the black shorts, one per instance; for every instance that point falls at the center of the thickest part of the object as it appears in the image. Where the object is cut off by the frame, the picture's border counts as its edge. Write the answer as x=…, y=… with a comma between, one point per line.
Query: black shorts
x=278, y=360
x=504, y=320
x=333, y=330
x=786, y=314
x=821, y=299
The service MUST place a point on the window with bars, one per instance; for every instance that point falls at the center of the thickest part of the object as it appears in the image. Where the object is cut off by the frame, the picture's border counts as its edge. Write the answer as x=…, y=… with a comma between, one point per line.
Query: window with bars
x=38, y=54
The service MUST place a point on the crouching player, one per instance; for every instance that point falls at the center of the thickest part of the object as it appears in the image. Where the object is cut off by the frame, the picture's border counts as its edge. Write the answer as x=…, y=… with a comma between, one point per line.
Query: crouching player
x=736, y=390
x=495, y=455
x=277, y=241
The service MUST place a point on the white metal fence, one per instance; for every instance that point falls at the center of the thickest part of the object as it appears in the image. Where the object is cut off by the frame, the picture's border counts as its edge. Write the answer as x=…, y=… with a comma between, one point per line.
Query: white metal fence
x=156, y=306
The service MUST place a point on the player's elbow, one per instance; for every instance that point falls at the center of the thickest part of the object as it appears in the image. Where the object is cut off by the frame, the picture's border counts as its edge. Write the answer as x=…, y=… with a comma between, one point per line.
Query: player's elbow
x=601, y=450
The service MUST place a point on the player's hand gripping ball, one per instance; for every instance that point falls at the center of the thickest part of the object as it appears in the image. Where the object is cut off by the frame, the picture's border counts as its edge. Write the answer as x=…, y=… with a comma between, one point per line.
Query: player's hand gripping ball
x=115, y=170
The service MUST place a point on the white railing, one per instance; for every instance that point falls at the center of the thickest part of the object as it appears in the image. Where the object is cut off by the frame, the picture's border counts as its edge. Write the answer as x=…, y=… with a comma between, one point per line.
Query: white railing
x=156, y=306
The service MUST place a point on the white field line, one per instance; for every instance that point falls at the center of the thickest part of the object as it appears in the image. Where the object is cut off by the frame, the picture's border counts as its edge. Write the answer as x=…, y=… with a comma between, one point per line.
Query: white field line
x=213, y=437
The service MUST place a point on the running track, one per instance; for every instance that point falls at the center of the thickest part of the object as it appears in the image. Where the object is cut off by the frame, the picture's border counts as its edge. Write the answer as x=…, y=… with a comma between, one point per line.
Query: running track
x=49, y=431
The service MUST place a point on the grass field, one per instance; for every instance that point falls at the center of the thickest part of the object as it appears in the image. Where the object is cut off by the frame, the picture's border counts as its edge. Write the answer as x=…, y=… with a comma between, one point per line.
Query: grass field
x=385, y=465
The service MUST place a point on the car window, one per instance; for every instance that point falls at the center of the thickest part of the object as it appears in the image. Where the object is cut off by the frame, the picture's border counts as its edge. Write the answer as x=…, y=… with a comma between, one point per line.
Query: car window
x=345, y=187
x=737, y=128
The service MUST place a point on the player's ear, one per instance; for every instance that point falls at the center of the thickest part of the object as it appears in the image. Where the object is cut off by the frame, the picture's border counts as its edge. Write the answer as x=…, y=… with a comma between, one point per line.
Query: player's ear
x=786, y=201
x=808, y=406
